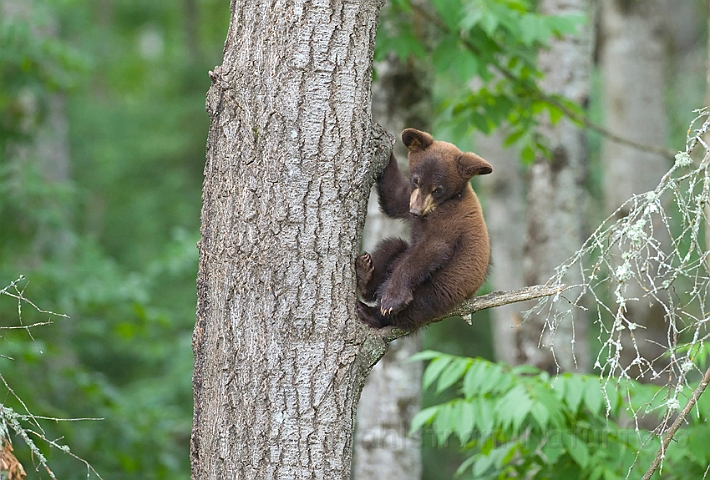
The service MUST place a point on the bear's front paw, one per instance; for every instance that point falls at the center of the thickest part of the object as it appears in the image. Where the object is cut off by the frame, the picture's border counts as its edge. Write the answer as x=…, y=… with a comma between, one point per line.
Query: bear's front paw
x=394, y=301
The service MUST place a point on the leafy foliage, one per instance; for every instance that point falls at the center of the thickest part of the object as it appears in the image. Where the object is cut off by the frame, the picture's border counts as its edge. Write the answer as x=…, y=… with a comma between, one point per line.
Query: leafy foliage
x=519, y=422
x=110, y=240
x=484, y=54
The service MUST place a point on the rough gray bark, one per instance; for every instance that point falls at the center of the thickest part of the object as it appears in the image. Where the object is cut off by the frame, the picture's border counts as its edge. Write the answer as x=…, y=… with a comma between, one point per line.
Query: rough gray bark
x=392, y=392
x=280, y=356
x=633, y=63
x=505, y=218
x=554, y=230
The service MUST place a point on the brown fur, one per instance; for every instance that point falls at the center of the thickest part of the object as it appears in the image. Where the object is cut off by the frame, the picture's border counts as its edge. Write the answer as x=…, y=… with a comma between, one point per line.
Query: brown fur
x=447, y=259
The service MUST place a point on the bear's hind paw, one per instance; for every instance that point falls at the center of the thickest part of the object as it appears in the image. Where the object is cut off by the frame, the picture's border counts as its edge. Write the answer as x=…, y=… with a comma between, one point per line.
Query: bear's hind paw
x=369, y=316
x=363, y=270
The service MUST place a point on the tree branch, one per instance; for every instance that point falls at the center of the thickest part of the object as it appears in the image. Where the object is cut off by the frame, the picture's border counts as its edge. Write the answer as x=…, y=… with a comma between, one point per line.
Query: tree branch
x=472, y=305
x=670, y=433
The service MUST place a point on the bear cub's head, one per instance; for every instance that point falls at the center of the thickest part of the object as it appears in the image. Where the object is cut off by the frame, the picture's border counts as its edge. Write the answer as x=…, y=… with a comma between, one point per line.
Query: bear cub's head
x=438, y=171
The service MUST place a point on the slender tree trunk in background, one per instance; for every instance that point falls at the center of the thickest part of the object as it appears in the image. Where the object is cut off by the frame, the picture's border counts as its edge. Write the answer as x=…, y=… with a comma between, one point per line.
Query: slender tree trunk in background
x=505, y=218
x=392, y=393
x=633, y=64
x=280, y=356
x=554, y=220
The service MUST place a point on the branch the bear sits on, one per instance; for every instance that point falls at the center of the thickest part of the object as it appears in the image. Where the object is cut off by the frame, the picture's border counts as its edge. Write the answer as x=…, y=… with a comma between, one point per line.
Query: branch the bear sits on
x=449, y=253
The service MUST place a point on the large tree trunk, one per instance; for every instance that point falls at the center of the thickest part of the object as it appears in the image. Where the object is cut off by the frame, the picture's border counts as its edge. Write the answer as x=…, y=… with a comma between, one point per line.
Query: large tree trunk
x=280, y=355
x=554, y=228
x=633, y=63
x=392, y=392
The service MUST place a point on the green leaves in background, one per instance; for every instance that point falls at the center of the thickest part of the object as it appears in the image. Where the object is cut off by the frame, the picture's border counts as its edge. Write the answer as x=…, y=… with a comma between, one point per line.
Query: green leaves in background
x=520, y=422
x=106, y=235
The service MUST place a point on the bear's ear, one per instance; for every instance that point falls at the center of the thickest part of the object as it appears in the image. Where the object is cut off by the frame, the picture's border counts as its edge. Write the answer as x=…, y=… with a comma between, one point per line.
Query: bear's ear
x=415, y=140
x=469, y=164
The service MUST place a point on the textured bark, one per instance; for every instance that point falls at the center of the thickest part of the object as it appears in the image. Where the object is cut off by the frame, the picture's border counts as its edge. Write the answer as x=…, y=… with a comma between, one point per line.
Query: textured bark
x=392, y=392
x=633, y=62
x=505, y=218
x=554, y=230
x=280, y=355
x=389, y=401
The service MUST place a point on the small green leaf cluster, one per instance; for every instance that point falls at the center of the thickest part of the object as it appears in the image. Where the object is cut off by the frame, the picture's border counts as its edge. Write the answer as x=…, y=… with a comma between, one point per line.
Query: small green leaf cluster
x=484, y=55
x=520, y=422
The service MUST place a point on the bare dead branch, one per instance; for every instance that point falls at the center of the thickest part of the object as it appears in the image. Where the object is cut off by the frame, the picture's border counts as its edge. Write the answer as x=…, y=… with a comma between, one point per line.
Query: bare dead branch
x=494, y=299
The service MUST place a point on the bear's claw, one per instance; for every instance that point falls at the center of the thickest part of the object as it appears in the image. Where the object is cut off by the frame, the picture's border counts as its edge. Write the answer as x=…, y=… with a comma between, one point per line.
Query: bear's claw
x=390, y=304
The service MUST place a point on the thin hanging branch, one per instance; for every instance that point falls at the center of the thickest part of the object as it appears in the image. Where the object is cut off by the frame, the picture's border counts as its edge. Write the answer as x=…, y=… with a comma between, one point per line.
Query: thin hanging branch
x=670, y=433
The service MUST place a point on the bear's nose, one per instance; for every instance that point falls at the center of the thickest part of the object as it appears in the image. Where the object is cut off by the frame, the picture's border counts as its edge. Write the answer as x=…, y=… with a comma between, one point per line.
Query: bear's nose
x=415, y=212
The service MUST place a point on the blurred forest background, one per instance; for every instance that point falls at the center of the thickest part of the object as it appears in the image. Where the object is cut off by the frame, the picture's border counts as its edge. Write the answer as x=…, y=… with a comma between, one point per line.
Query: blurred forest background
x=102, y=146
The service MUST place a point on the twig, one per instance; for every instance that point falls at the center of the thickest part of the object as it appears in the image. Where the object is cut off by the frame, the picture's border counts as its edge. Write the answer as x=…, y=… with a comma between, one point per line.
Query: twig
x=670, y=433
x=494, y=299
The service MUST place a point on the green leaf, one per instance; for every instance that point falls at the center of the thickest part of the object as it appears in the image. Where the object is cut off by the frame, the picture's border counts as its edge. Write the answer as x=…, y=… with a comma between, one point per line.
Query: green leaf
x=553, y=449
x=464, y=426
x=401, y=5
x=434, y=370
x=489, y=23
x=561, y=24
x=453, y=372
x=528, y=154
x=483, y=463
x=480, y=122
x=469, y=461
x=593, y=398
x=492, y=379
x=574, y=391
x=473, y=377
x=446, y=54
x=471, y=18
x=484, y=416
x=424, y=355
x=449, y=11
x=467, y=66
x=555, y=114
x=513, y=137
x=515, y=405
x=576, y=448
x=533, y=28
x=423, y=417
x=525, y=370
x=541, y=415
x=543, y=395
x=444, y=423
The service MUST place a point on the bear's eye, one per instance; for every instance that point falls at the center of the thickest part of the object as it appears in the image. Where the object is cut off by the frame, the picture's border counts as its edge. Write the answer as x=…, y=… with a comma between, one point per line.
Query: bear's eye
x=415, y=181
x=438, y=191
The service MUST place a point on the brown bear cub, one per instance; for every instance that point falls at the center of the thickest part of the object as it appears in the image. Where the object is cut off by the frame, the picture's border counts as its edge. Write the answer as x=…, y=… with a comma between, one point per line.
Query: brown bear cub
x=446, y=262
